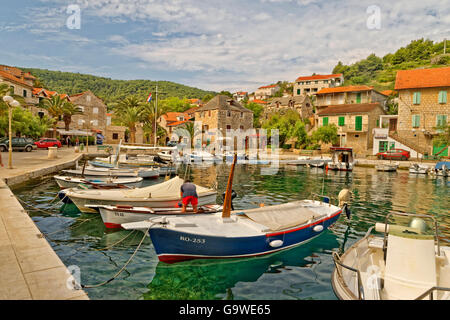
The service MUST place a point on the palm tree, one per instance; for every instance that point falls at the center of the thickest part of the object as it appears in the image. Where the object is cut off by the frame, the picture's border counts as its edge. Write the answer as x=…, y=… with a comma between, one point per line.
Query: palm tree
x=69, y=110
x=193, y=130
x=130, y=112
x=55, y=108
x=150, y=115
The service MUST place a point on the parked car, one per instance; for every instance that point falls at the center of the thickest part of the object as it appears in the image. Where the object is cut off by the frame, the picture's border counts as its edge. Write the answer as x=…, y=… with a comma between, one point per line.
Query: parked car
x=18, y=144
x=48, y=142
x=394, y=154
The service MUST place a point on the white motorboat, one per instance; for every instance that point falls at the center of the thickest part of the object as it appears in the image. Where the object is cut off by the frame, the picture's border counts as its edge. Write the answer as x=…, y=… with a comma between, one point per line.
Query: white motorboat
x=442, y=169
x=65, y=182
x=162, y=195
x=406, y=263
x=318, y=162
x=114, y=216
x=342, y=159
x=199, y=156
x=387, y=167
x=419, y=169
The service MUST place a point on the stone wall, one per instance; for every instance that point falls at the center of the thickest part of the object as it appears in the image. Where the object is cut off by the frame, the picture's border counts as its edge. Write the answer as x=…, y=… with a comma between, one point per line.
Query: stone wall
x=428, y=110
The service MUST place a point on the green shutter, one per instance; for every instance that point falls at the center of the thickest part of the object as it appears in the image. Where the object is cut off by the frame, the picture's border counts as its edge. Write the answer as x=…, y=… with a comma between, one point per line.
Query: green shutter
x=298, y=91
x=341, y=121
x=441, y=120
x=358, y=98
x=416, y=98
x=358, y=123
x=325, y=121
x=442, y=96
x=416, y=121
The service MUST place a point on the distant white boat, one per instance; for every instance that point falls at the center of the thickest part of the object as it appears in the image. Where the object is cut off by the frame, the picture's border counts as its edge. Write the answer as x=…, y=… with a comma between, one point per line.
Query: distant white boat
x=419, y=169
x=342, y=159
x=65, y=182
x=146, y=173
x=387, y=167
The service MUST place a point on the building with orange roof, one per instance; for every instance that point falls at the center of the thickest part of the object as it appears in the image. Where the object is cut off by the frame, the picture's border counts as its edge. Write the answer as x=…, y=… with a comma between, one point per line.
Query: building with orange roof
x=241, y=95
x=21, y=82
x=423, y=106
x=171, y=120
x=266, y=92
x=349, y=95
x=310, y=85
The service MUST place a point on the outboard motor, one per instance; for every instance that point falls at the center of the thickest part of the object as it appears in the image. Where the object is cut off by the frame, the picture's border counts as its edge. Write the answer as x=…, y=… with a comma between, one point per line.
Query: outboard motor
x=233, y=196
x=344, y=199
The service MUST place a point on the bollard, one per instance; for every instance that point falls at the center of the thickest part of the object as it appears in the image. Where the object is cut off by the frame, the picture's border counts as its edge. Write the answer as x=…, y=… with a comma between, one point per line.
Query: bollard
x=52, y=152
x=77, y=149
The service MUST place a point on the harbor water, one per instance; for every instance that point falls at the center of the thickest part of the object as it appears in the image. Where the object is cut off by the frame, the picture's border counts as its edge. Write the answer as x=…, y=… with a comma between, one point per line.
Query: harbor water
x=96, y=254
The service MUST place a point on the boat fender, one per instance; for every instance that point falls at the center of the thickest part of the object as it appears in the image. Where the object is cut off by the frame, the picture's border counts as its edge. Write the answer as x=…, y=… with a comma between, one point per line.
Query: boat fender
x=233, y=196
x=318, y=228
x=276, y=243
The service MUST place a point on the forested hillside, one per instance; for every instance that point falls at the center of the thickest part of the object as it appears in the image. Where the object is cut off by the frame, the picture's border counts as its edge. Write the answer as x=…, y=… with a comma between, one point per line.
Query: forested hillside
x=108, y=89
x=381, y=72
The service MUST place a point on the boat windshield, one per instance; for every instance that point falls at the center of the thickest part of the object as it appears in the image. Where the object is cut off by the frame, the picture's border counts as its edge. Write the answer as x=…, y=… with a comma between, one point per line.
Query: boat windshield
x=419, y=227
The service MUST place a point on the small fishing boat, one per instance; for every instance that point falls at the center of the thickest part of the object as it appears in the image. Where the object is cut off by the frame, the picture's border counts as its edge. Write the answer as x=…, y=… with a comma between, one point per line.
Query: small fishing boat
x=342, y=159
x=162, y=195
x=442, y=169
x=387, y=167
x=146, y=173
x=319, y=162
x=114, y=216
x=419, y=169
x=406, y=263
x=241, y=233
x=65, y=182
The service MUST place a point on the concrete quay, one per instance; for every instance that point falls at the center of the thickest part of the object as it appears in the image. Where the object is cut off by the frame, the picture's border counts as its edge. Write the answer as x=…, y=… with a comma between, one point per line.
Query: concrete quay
x=29, y=268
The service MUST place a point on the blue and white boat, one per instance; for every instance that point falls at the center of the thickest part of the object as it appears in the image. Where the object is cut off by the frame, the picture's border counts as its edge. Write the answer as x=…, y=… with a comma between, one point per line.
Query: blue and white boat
x=246, y=233
x=242, y=233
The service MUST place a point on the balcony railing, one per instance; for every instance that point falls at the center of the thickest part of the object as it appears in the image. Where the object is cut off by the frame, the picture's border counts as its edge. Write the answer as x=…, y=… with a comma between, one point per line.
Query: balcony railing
x=353, y=128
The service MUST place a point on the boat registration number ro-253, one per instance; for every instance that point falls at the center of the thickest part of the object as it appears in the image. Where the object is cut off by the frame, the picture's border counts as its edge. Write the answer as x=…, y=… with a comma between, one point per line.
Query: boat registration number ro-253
x=193, y=240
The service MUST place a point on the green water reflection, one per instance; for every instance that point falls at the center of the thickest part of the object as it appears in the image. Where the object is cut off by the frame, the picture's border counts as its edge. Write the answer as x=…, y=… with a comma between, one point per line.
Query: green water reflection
x=300, y=273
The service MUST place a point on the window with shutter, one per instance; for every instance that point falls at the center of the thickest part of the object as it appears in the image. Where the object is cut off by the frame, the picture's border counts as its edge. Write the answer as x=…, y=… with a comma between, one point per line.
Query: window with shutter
x=341, y=121
x=416, y=98
x=442, y=96
x=441, y=120
x=358, y=123
x=325, y=121
x=416, y=121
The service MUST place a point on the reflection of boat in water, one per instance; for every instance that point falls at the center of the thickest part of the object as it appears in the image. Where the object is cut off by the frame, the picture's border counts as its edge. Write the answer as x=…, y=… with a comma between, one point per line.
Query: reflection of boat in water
x=219, y=279
x=442, y=169
x=406, y=263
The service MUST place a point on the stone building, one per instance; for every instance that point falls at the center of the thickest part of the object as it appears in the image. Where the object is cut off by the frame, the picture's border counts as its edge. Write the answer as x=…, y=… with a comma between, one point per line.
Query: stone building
x=21, y=82
x=224, y=115
x=171, y=120
x=355, y=124
x=349, y=95
x=422, y=106
x=266, y=92
x=312, y=84
x=302, y=104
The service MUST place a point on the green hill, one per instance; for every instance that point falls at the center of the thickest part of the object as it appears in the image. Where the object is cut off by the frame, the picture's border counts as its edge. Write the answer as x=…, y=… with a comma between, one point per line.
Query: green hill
x=108, y=89
x=381, y=72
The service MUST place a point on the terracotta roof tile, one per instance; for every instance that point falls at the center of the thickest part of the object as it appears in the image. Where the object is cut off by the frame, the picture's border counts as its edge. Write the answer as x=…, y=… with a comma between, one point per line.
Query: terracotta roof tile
x=349, y=108
x=174, y=124
x=423, y=78
x=345, y=89
x=320, y=77
x=268, y=87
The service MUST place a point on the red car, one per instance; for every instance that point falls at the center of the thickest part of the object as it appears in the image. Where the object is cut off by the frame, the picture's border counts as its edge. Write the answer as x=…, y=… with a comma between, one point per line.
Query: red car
x=48, y=142
x=394, y=154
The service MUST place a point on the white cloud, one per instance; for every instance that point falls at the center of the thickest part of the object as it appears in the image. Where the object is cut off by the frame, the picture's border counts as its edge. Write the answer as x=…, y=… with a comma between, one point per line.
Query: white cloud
x=244, y=44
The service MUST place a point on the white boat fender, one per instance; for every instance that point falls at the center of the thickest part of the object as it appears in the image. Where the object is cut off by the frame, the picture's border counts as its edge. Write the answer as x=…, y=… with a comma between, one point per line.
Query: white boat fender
x=276, y=243
x=318, y=228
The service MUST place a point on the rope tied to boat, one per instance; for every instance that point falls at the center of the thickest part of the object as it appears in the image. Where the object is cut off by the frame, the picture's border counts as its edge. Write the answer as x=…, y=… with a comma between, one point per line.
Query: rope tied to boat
x=126, y=264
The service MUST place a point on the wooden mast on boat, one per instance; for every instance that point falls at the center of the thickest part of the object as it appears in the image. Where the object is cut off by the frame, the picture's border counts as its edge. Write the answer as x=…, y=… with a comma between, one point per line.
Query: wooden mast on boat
x=226, y=213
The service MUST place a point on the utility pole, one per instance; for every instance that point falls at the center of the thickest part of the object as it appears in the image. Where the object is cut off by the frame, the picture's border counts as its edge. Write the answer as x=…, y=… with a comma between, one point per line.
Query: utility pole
x=445, y=46
x=156, y=112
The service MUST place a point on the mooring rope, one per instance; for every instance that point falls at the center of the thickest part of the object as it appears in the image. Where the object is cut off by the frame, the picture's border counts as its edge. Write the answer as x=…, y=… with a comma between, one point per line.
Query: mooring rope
x=124, y=267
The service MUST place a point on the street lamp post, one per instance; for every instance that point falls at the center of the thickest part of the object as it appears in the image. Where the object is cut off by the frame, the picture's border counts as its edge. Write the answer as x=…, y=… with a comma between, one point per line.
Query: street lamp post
x=11, y=104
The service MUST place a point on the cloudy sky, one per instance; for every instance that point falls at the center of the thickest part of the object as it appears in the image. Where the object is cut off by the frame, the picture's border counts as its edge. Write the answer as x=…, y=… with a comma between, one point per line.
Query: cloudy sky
x=211, y=44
